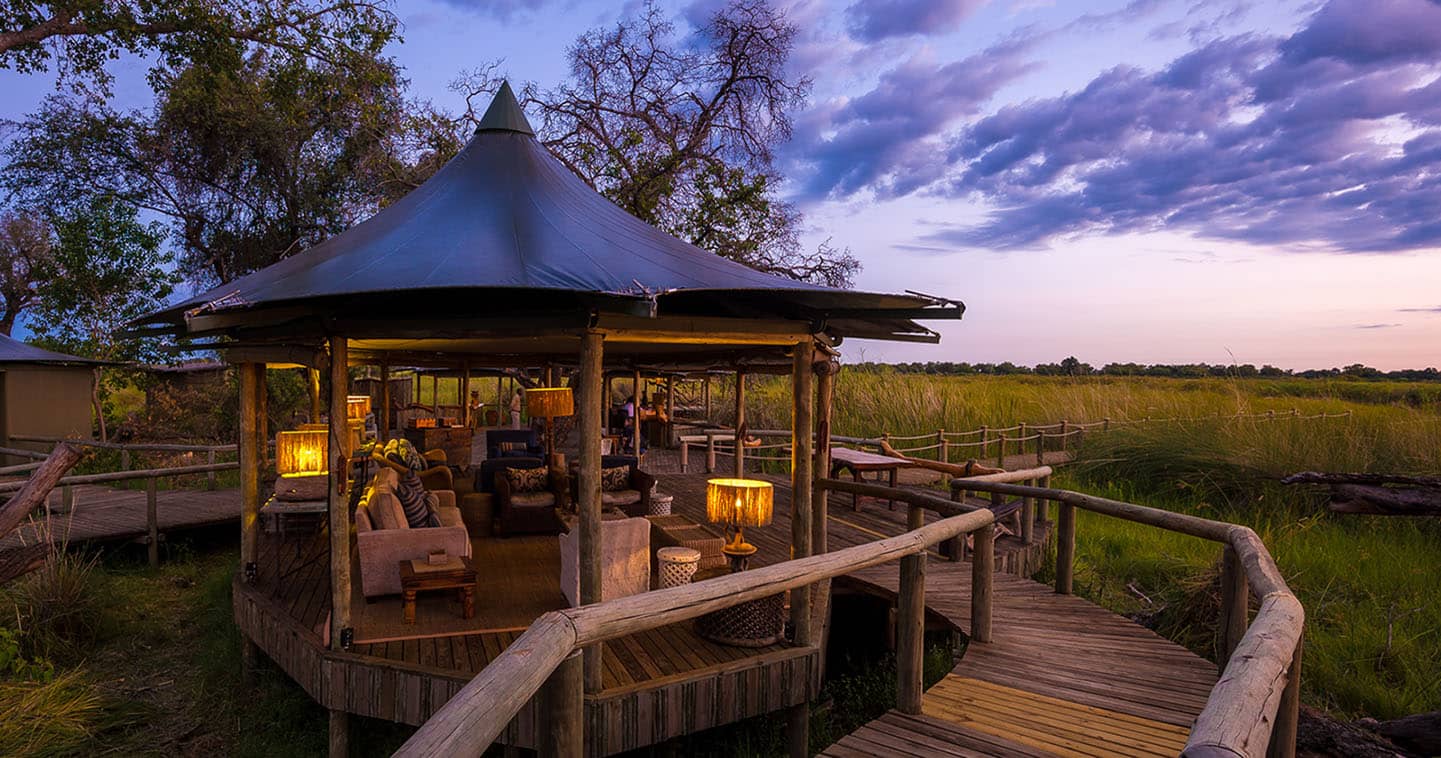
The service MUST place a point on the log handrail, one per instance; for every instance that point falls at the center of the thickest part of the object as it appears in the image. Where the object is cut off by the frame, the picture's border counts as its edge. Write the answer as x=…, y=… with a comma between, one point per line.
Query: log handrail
x=137, y=446
x=472, y=719
x=1256, y=696
x=120, y=476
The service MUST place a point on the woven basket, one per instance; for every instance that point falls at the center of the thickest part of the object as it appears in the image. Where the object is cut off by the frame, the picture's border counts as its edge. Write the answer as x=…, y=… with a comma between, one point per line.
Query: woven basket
x=754, y=623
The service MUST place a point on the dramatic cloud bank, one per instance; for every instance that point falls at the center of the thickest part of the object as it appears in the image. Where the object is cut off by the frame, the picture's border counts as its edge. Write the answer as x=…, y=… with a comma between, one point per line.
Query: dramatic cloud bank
x=1327, y=139
x=873, y=20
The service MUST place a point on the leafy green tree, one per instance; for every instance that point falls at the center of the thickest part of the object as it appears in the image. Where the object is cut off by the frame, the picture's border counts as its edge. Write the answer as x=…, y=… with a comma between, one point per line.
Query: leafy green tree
x=250, y=158
x=109, y=267
x=26, y=258
x=79, y=37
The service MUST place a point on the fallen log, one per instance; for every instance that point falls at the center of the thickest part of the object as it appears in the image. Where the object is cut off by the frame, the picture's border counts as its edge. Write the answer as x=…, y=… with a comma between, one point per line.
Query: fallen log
x=1420, y=733
x=1317, y=477
x=1385, y=501
x=969, y=468
x=38, y=486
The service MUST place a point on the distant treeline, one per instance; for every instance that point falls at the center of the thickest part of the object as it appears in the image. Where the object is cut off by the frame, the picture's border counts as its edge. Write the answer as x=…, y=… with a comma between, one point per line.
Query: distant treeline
x=1073, y=367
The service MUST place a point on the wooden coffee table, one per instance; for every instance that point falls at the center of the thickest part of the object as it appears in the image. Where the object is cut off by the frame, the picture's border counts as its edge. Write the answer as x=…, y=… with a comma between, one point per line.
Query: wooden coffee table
x=462, y=580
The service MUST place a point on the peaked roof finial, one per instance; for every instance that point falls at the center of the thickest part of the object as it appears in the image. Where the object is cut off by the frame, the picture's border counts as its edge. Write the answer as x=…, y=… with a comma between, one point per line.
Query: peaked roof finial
x=504, y=114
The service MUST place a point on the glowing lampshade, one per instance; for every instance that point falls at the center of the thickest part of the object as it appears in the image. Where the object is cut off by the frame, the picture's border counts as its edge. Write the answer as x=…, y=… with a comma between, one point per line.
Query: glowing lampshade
x=739, y=503
x=549, y=402
x=301, y=453
x=357, y=406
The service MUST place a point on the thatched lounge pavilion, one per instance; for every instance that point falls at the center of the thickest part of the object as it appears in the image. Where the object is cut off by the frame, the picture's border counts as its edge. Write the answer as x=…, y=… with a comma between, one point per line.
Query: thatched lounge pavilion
x=506, y=260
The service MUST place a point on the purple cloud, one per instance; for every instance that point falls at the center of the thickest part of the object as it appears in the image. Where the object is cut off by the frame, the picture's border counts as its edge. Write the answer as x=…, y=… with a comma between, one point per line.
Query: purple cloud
x=1436, y=310
x=1376, y=326
x=874, y=20
x=887, y=140
x=1324, y=140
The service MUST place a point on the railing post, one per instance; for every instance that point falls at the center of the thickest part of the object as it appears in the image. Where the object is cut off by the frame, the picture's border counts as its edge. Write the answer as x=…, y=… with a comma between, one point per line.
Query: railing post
x=1288, y=713
x=1041, y=447
x=1106, y=424
x=563, y=701
x=151, y=523
x=1043, y=506
x=983, y=568
x=910, y=633
x=954, y=549
x=1021, y=438
x=984, y=431
x=710, y=453
x=943, y=453
x=67, y=499
x=124, y=459
x=210, y=475
x=1235, y=600
x=1001, y=454
x=1065, y=547
x=684, y=454
x=1028, y=519
x=1063, y=435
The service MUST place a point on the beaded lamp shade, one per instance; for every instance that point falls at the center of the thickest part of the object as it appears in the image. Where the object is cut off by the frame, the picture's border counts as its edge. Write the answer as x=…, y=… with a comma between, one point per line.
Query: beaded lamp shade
x=301, y=453
x=549, y=402
x=357, y=406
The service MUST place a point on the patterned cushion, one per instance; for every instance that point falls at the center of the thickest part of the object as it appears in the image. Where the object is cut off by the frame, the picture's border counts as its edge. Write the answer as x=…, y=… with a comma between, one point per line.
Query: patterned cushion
x=527, y=479
x=419, y=505
x=617, y=478
x=511, y=447
x=402, y=451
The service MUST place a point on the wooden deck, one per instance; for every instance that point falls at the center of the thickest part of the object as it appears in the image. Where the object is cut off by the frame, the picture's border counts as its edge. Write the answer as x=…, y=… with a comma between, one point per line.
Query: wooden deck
x=105, y=514
x=1063, y=677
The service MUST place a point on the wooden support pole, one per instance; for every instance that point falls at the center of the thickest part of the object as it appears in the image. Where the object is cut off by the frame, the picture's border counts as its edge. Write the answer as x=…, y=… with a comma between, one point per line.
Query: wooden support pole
x=802, y=447
x=635, y=408
x=1065, y=548
x=384, y=420
x=1288, y=713
x=1001, y=452
x=124, y=459
x=1235, y=601
x=312, y=386
x=339, y=734
x=1028, y=519
x=1041, y=448
x=1043, y=506
x=983, y=569
x=820, y=502
x=1021, y=438
x=563, y=703
x=152, y=523
x=210, y=475
x=705, y=394
x=588, y=505
x=1063, y=435
x=910, y=633
x=250, y=379
x=465, y=393
x=262, y=417
x=339, y=500
x=710, y=453
x=943, y=453
x=669, y=410
x=740, y=434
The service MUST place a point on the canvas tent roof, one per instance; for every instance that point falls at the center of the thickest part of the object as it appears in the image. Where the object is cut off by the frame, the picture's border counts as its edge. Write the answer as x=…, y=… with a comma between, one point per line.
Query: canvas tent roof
x=505, y=228
x=15, y=351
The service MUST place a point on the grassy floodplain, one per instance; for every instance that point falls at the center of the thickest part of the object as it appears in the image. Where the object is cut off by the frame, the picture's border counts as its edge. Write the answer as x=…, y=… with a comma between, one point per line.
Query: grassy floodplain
x=1369, y=584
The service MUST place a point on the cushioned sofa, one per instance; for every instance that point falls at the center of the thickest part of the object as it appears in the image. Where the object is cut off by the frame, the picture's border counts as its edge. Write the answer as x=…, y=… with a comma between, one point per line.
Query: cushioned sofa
x=383, y=539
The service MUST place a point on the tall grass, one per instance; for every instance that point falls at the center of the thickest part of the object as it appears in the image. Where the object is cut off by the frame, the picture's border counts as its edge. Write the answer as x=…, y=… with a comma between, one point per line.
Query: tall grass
x=1369, y=584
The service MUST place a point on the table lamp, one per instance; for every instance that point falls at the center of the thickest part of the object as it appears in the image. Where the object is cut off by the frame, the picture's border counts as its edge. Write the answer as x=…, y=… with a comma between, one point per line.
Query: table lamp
x=739, y=503
x=301, y=462
x=548, y=403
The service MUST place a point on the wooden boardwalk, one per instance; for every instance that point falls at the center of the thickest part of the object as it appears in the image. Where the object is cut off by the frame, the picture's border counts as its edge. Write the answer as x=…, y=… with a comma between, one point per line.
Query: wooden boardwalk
x=1063, y=677
x=105, y=514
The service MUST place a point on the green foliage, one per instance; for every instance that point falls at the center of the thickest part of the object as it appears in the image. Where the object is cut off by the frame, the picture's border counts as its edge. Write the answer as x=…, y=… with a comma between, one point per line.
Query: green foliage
x=14, y=663
x=55, y=608
x=108, y=269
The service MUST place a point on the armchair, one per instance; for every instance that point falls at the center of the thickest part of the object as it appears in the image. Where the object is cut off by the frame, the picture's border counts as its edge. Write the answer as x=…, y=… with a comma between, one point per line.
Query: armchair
x=512, y=443
x=529, y=512
x=634, y=497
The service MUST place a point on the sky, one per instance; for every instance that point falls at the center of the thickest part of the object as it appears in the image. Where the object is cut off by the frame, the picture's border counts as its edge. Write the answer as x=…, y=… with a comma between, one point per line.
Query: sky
x=1151, y=181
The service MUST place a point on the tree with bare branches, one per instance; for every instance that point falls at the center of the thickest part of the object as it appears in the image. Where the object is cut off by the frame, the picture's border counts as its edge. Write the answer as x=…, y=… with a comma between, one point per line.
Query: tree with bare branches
x=679, y=130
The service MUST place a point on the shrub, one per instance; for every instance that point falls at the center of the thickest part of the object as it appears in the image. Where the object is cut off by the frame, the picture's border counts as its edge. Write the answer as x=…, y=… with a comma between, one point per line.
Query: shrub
x=55, y=608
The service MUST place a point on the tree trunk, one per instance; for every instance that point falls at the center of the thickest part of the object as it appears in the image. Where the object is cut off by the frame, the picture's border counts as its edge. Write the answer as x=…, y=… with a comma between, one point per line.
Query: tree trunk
x=38, y=487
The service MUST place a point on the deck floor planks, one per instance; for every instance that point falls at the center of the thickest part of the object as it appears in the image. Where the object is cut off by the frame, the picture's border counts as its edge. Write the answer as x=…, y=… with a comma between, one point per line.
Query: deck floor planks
x=105, y=514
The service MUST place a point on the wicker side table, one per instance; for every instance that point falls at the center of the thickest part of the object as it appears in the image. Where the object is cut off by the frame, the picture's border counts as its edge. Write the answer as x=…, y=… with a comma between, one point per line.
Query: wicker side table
x=754, y=623
x=660, y=504
x=677, y=565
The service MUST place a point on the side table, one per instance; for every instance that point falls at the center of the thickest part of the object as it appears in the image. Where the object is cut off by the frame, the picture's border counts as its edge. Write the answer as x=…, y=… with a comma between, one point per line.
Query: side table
x=462, y=580
x=660, y=504
x=677, y=565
